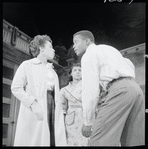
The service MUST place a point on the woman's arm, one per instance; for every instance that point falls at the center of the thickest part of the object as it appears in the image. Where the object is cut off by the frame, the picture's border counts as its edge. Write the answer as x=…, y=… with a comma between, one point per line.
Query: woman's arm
x=19, y=83
x=64, y=101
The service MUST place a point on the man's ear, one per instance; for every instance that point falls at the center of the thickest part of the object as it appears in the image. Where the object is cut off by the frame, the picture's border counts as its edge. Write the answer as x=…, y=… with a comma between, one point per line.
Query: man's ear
x=88, y=41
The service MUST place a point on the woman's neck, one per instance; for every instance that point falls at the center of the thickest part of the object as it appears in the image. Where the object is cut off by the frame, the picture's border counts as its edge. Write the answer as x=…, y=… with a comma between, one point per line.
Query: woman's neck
x=75, y=82
x=42, y=59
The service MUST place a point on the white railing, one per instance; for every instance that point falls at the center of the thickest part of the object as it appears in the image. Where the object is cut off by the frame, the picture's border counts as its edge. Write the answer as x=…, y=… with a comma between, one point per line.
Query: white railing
x=19, y=41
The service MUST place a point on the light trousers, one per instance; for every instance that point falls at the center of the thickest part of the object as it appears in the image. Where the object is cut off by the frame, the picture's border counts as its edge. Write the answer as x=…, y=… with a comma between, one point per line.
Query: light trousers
x=121, y=117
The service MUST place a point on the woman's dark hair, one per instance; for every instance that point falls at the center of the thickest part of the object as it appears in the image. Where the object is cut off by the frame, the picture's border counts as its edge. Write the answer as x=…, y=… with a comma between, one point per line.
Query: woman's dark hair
x=73, y=65
x=37, y=42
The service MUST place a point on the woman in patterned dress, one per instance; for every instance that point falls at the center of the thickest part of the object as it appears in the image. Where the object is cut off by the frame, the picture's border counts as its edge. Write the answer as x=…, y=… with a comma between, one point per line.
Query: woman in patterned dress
x=72, y=108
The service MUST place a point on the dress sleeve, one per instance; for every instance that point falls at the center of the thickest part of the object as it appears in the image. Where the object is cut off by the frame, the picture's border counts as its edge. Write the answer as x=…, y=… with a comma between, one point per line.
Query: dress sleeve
x=64, y=101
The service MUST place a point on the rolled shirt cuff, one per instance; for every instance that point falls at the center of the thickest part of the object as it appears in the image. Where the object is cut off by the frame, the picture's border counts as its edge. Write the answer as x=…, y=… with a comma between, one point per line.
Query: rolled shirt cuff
x=87, y=123
x=64, y=112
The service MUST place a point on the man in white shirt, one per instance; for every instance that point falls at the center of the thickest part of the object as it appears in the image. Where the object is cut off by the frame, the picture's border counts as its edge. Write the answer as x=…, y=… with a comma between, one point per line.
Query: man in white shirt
x=121, y=115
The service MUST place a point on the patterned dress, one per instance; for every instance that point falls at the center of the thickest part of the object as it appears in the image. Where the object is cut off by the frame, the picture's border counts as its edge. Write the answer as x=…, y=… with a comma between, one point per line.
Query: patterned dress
x=72, y=106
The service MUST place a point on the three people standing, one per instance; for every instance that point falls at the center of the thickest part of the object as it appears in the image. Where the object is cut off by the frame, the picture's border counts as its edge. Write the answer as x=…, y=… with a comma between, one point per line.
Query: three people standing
x=120, y=118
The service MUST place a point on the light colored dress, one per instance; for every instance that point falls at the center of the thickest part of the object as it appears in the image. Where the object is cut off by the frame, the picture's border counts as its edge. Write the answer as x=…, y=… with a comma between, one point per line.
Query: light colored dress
x=36, y=77
x=72, y=106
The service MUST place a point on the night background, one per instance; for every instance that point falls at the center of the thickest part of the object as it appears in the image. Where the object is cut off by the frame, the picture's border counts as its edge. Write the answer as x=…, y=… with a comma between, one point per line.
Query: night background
x=119, y=24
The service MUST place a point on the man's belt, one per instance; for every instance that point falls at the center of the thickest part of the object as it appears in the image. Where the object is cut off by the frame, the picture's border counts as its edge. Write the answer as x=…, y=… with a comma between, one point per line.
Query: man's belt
x=115, y=80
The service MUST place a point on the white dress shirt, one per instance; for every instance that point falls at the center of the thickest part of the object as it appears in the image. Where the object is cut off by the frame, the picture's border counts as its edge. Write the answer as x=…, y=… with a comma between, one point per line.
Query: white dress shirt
x=100, y=65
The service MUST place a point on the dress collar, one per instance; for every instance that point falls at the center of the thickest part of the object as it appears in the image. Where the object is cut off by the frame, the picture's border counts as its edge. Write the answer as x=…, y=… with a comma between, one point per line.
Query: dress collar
x=49, y=65
x=79, y=83
x=37, y=61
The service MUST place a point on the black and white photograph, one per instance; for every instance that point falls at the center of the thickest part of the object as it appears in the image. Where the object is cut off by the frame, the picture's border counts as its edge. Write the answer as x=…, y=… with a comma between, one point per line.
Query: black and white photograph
x=74, y=74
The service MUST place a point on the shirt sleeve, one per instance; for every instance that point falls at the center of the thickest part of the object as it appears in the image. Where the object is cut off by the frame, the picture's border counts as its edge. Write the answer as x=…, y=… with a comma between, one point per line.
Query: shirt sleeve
x=90, y=86
x=130, y=63
x=18, y=86
x=64, y=101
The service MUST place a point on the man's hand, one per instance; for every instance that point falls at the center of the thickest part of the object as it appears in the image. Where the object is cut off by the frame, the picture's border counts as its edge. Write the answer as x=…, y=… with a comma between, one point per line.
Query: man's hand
x=86, y=131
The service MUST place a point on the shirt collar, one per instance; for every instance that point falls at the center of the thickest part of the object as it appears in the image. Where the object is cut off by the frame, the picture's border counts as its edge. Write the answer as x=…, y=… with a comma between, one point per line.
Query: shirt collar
x=91, y=45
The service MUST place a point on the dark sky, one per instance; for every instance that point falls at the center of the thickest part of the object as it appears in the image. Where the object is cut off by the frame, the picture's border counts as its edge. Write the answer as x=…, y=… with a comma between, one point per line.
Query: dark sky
x=119, y=24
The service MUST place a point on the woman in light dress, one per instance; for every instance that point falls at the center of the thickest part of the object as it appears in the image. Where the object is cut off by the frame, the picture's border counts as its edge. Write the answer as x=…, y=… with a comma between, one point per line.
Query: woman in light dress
x=33, y=84
x=72, y=108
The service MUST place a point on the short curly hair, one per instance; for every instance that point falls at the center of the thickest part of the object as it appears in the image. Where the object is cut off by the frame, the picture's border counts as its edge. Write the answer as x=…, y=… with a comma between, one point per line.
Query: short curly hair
x=37, y=42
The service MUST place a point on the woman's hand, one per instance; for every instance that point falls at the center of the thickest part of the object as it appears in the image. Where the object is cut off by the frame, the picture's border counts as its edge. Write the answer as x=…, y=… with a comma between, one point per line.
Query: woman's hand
x=37, y=110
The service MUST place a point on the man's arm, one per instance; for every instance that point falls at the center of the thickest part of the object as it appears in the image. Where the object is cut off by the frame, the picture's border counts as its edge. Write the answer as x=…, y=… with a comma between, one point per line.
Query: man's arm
x=90, y=86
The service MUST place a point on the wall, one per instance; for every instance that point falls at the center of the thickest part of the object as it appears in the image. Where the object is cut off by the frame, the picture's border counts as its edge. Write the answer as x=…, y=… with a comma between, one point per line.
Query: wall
x=136, y=55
